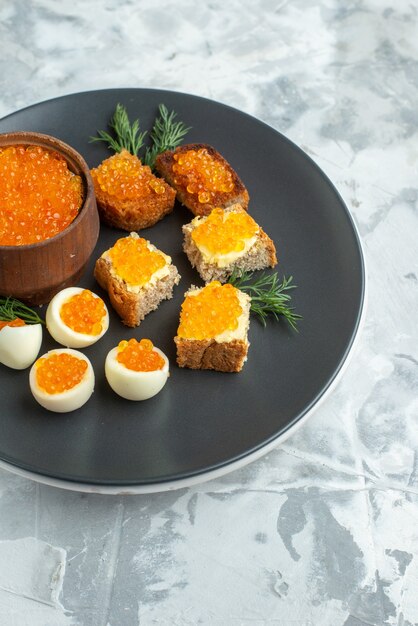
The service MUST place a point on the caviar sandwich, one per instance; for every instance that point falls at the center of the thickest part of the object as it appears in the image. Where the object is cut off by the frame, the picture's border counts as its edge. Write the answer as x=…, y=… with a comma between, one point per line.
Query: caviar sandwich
x=202, y=178
x=128, y=194
x=213, y=328
x=137, y=277
x=225, y=241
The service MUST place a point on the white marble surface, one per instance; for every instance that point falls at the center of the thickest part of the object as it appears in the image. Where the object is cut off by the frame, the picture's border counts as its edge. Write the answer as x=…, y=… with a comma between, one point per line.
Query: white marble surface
x=323, y=531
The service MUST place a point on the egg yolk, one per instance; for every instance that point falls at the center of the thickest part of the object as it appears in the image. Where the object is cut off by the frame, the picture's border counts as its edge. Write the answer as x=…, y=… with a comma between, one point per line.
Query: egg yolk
x=139, y=356
x=213, y=310
x=124, y=177
x=201, y=174
x=39, y=195
x=134, y=262
x=84, y=313
x=59, y=372
x=223, y=232
x=16, y=322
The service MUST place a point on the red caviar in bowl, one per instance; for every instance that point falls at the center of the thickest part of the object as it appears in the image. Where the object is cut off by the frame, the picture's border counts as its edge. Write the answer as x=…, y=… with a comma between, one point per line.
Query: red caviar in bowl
x=39, y=195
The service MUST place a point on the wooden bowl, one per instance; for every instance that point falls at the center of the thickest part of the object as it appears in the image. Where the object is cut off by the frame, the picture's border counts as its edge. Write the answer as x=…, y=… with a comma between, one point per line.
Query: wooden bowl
x=35, y=272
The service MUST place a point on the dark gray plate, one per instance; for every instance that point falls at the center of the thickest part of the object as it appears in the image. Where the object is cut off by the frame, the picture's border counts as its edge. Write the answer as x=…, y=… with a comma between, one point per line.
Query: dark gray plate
x=201, y=420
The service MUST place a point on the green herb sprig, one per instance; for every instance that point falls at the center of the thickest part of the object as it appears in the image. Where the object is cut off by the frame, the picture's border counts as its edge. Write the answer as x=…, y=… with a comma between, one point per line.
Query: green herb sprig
x=268, y=295
x=127, y=135
x=166, y=134
x=10, y=309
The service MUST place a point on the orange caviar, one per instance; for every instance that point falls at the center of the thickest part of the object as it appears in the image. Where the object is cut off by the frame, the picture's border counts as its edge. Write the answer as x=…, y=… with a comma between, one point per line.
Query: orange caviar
x=16, y=322
x=59, y=372
x=139, y=356
x=84, y=313
x=39, y=196
x=124, y=177
x=201, y=174
x=133, y=261
x=213, y=310
x=223, y=232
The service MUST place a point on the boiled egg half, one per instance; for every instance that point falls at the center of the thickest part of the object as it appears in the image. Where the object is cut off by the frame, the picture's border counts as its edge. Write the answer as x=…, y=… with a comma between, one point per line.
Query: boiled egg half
x=77, y=317
x=136, y=370
x=19, y=343
x=62, y=380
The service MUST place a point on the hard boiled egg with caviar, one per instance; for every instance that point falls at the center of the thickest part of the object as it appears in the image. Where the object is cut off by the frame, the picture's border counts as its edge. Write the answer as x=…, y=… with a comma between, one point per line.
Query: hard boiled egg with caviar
x=62, y=380
x=19, y=344
x=136, y=370
x=77, y=317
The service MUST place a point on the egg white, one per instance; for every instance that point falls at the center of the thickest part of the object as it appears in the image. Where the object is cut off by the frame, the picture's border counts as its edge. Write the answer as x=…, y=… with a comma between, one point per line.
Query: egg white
x=62, y=333
x=134, y=385
x=67, y=400
x=20, y=345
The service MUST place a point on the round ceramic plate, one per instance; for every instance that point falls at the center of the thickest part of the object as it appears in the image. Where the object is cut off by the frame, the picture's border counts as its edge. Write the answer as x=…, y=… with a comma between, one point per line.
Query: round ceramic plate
x=203, y=422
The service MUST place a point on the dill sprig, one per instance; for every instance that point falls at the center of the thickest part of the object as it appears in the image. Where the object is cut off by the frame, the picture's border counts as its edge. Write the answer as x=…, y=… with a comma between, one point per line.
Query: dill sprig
x=269, y=296
x=10, y=309
x=166, y=134
x=127, y=135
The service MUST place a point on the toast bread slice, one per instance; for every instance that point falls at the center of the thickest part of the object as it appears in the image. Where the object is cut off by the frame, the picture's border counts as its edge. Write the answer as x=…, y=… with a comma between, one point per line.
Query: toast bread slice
x=239, y=194
x=138, y=212
x=260, y=255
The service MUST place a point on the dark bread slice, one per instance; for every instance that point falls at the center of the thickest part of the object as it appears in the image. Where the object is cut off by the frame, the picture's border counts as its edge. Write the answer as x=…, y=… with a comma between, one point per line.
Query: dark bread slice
x=261, y=255
x=136, y=213
x=239, y=194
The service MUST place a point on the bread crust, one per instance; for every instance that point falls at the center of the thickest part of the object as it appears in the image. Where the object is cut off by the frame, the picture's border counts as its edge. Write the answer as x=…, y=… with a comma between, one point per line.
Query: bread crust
x=261, y=255
x=164, y=166
x=208, y=354
x=136, y=213
x=133, y=307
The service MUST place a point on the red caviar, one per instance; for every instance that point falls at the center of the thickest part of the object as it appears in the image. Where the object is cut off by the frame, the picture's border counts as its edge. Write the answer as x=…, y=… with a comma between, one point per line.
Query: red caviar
x=124, y=177
x=59, y=372
x=202, y=175
x=39, y=195
x=211, y=311
x=84, y=313
x=16, y=322
x=223, y=232
x=139, y=356
x=134, y=261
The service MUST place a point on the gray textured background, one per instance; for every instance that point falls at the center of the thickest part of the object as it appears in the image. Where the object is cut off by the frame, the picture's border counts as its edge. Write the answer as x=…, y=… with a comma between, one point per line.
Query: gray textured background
x=324, y=530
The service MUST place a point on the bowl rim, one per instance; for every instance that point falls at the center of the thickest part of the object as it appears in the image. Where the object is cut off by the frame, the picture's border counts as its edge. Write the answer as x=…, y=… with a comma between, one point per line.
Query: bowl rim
x=85, y=172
